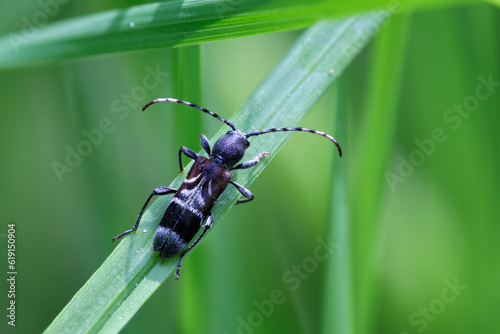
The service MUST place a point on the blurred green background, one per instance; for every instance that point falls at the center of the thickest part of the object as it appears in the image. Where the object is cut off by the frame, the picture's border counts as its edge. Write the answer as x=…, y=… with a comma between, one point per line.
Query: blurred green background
x=422, y=224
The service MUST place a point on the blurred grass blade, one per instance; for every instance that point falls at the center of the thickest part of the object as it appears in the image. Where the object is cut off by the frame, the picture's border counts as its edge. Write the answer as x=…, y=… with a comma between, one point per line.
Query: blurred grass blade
x=495, y=2
x=188, y=83
x=378, y=130
x=338, y=295
x=132, y=272
x=174, y=23
x=344, y=301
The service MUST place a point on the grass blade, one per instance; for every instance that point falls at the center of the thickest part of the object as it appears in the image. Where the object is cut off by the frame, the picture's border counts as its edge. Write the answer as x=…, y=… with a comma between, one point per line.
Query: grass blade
x=132, y=272
x=376, y=137
x=338, y=298
x=174, y=23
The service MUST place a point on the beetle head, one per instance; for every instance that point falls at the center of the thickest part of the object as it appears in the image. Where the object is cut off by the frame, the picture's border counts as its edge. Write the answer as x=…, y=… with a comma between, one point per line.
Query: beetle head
x=231, y=148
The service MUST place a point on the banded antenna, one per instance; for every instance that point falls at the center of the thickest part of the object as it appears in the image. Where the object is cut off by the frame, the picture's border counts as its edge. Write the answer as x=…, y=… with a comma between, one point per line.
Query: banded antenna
x=232, y=126
x=229, y=123
x=256, y=133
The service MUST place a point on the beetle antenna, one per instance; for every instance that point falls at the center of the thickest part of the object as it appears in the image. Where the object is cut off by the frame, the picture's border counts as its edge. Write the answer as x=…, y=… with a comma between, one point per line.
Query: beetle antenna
x=256, y=133
x=229, y=123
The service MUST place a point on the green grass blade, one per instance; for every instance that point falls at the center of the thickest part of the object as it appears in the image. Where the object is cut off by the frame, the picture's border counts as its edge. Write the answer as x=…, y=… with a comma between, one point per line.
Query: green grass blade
x=338, y=294
x=377, y=134
x=174, y=23
x=346, y=300
x=188, y=83
x=132, y=272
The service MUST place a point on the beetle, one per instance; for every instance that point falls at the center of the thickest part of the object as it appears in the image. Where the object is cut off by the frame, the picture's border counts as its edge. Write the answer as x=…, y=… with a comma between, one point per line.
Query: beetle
x=191, y=206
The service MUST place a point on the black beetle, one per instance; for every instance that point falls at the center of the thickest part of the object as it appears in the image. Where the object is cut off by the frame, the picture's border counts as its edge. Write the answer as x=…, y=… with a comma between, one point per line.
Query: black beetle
x=205, y=182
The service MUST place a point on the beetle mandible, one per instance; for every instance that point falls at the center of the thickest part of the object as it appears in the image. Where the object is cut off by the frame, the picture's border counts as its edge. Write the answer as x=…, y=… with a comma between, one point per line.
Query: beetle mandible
x=191, y=205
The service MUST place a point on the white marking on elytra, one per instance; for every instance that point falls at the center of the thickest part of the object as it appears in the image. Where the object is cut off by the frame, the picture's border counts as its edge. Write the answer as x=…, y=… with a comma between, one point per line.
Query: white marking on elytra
x=162, y=229
x=188, y=207
x=210, y=188
x=188, y=193
x=193, y=179
x=192, y=199
x=199, y=200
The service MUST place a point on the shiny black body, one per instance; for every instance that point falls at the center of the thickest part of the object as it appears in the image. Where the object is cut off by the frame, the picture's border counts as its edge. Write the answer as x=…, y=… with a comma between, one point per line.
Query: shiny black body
x=191, y=206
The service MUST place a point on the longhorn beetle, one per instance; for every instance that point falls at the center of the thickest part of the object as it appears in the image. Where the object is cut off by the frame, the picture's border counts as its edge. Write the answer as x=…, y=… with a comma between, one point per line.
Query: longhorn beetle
x=205, y=182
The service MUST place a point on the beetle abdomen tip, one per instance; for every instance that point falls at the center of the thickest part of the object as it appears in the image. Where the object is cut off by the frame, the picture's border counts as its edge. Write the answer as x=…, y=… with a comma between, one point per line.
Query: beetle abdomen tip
x=168, y=242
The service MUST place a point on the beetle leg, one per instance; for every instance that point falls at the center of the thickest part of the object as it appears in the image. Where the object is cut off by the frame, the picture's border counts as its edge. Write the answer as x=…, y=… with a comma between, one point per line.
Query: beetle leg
x=157, y=191
x=253, y=162
x=208, y=224
x=189, y=153
x=244, y=191
x=205, y=144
